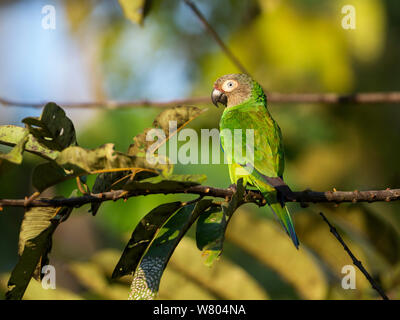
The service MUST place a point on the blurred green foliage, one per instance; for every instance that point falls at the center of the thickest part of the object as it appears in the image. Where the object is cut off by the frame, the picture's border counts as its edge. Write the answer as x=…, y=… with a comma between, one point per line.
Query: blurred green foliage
x=289, y=46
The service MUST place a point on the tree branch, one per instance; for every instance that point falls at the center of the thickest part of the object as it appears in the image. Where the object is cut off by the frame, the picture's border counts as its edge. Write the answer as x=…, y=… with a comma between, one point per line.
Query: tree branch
x=306, y=196
x=356, y=262
x=108, y=104
x=273, y=97
x=326, y=98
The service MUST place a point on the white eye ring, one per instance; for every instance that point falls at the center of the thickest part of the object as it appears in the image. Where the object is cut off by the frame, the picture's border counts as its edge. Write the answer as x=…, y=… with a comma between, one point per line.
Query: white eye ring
x=229, y=85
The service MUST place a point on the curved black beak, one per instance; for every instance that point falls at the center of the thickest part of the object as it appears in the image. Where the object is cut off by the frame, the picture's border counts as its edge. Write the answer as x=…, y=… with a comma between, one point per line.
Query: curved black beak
x=218, y=96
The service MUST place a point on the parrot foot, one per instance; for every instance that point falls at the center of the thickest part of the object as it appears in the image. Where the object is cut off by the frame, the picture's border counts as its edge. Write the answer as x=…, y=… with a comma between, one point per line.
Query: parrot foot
x=281, y=197
x=233, y=187
x=302, y=203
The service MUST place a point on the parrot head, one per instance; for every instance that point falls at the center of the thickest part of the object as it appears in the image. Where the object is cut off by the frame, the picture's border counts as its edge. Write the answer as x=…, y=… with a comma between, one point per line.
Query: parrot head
x=232, y=89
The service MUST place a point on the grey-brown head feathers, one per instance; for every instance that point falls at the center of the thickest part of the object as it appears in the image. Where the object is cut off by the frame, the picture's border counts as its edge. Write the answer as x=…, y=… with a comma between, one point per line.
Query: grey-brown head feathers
x=232, y=89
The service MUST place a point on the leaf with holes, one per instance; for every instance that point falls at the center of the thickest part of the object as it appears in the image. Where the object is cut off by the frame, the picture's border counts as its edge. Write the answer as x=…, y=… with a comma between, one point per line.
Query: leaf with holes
x=146, y=279
x=182, y=116
x=11, y=135
x=53, y=129
x=177, y=117
x=76, y=161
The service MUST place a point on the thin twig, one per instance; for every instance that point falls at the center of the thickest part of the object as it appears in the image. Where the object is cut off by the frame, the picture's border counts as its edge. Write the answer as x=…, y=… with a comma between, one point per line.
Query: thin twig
x=216, y=37
x=252, y=196
x=356, y=262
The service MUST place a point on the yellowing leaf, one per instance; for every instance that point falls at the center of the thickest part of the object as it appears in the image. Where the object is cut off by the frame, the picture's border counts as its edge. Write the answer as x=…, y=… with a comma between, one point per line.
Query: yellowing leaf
x=135, y=10
x=10, y=136
x=181, y=115
x=76, y=161
x=15, y=155
x=35, y=241
x=35, y=291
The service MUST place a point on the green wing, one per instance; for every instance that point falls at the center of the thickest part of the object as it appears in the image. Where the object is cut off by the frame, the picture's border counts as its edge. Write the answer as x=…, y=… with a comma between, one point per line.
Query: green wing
x=268, y=157
x=267, y=160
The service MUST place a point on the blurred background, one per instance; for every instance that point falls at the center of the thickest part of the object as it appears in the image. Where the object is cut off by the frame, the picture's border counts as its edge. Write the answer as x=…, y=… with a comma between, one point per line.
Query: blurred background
x=95, y=53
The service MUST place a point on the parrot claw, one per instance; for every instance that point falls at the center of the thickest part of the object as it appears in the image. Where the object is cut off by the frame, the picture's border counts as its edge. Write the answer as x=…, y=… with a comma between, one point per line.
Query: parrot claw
x=233, y=187
x=281, y=197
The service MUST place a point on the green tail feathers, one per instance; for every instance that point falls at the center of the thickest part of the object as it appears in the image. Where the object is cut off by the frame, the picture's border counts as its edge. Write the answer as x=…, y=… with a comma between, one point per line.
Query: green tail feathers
x=283, y=215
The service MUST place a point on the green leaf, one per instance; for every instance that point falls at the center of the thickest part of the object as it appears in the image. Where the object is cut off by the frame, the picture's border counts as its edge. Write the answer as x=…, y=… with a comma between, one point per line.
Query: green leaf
x=135, y=10
x=53, y=129
x=103, y=183
x=15, y=155
x=76, y=161
x=11, y=135
x=35, y=241
x=161, y=184
x=210, y=233
x=146, y=279
x=48, y=174
x=142, y=237
x=212, y=224
x=115, y=180
x=190, y=178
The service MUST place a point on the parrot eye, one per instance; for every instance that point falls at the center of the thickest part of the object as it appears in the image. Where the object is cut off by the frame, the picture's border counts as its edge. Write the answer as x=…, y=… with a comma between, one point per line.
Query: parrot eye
x=229, y=85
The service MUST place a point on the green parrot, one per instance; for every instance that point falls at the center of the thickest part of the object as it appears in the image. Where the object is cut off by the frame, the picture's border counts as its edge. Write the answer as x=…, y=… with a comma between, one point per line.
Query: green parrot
x=260, y=163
